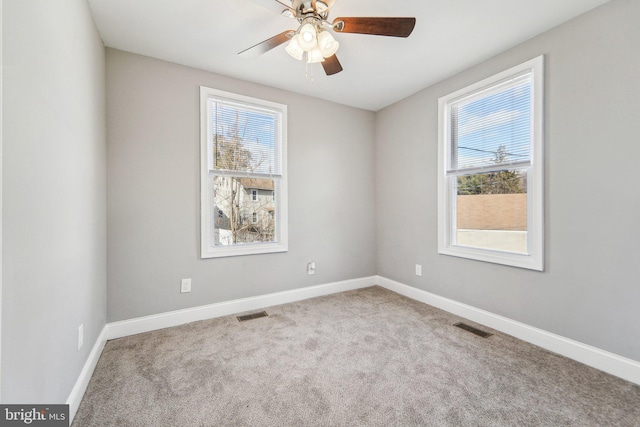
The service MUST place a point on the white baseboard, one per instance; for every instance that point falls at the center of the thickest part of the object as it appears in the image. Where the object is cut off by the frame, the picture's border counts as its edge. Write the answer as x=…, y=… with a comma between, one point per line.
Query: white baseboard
x=174, y=318
x=611, y=363
x=85, y=375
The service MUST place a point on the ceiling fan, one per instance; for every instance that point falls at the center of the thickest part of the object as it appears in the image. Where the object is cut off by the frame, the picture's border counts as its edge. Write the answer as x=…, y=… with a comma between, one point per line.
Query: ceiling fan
x=313, y=37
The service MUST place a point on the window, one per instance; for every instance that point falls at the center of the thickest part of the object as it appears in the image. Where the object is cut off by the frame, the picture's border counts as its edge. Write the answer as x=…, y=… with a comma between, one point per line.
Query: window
x=242, y=150
x=490, y=169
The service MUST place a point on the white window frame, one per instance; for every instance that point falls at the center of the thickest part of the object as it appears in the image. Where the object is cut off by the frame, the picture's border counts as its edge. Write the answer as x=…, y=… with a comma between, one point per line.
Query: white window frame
x=254, y=195
x=280, y=243
x=534, y=258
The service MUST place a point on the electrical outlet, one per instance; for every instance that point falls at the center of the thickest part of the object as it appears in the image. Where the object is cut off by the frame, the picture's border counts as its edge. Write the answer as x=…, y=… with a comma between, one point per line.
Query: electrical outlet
x=311, y=268
x=185, y=286
x=80, y=336
x=418, y=270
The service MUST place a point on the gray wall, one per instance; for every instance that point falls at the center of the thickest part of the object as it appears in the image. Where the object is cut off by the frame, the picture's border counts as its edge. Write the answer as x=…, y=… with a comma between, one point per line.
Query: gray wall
x=154, y=195
x=54, y=196
x=589, y=290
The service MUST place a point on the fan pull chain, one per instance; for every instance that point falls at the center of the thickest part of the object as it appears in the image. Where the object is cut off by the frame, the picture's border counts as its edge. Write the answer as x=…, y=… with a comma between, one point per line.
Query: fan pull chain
x=308, y=73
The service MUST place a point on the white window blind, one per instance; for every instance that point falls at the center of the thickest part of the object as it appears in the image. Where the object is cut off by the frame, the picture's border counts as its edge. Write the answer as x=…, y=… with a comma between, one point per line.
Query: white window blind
x=245, y=140
x=491, y=129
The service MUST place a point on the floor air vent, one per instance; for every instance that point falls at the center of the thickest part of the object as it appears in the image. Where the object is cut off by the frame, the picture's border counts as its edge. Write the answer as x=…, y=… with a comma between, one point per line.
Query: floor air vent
x=252, y=316
x=473, y=330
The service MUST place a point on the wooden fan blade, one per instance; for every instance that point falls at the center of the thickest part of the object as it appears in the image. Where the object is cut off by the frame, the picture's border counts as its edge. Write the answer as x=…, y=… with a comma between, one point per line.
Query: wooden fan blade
x=394, y=27
x=267, y=45
x=331, y=65
x=276, y=6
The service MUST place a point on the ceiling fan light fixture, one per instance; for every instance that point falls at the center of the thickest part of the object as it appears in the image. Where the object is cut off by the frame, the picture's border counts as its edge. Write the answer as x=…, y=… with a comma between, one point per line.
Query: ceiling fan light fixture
x=313, y=40
x=294, y=49
x=307, y=37
x=314, y=56
x=327, y=44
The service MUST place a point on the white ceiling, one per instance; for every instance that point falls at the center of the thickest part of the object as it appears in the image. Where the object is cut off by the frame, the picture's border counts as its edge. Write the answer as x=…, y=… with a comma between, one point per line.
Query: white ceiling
x=450, y=36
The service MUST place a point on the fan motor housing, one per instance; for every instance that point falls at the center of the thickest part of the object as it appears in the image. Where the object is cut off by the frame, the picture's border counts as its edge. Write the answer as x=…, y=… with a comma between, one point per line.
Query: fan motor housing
x=306, y=6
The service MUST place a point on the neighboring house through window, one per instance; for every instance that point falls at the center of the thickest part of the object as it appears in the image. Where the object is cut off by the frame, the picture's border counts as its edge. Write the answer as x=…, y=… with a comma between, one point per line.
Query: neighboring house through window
x=490, y=169
x=243, y=164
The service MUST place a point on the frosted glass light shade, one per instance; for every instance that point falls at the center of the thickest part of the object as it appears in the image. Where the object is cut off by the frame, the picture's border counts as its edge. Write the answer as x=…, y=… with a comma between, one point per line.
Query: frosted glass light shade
x=307, y=38
x=327, y=44
x=294, y=49
x=314, y=56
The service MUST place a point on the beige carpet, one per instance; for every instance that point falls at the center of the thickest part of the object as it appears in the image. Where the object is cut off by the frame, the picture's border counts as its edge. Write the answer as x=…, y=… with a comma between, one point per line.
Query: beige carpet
x=361, y=358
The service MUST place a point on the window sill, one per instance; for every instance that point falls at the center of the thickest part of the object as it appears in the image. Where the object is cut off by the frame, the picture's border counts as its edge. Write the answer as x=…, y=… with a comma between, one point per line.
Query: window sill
x=240, y=250
x=512, y=259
